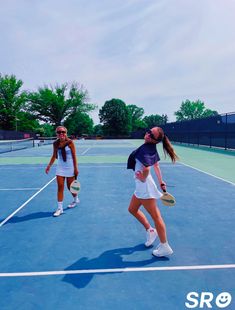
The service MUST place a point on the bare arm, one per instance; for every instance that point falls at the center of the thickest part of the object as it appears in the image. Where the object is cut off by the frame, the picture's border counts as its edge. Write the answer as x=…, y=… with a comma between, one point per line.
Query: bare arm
x=75, y=164
x=53, y=158
x=159, y=176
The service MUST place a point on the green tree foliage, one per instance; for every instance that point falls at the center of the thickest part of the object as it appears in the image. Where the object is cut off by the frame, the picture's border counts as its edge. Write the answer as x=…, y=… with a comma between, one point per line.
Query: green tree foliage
x=155, y=120
x=55, y=104
x=12, y=100
x=115, y=118
x=192, y=110
x=98, y=130
x=79, y=123
x=46, y=130
x=136, y=115
x=26, y=122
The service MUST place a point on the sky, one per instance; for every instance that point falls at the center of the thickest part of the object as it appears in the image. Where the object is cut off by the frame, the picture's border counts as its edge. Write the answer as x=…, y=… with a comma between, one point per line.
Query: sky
x=154, y=54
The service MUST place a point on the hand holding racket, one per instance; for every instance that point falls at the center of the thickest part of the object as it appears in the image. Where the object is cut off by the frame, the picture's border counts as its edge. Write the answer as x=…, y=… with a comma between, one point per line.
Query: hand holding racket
x=167, y=199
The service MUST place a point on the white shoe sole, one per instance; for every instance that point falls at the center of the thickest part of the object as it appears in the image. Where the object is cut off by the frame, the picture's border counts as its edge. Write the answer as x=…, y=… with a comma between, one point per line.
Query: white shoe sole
x=163, y=254
x=72, y=206
x=57, y=214
x=148, y=244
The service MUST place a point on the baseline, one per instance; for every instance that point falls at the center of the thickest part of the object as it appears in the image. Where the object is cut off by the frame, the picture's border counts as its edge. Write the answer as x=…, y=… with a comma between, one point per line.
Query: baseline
x=115, y=270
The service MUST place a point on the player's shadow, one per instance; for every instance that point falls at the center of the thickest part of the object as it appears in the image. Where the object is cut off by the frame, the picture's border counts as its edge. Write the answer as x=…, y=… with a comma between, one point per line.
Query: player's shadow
x=28, y=217
x=111, y=259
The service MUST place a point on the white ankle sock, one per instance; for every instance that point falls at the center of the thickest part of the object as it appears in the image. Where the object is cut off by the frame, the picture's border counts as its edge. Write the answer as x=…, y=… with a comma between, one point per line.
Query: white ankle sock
x=60, y=205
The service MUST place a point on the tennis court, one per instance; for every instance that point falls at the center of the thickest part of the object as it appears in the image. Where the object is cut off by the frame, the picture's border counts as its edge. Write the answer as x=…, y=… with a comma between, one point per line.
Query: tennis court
x=93, y=256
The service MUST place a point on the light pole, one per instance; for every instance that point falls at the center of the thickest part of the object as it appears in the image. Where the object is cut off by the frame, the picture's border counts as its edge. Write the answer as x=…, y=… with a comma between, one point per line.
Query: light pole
x=16, y=119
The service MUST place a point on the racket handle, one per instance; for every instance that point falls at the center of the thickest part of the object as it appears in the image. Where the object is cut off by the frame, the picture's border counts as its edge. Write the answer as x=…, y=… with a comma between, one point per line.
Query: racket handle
x=163, y=185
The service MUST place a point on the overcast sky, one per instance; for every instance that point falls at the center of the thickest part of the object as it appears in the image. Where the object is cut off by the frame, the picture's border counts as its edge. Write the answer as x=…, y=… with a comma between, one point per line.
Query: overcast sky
x=151, y=53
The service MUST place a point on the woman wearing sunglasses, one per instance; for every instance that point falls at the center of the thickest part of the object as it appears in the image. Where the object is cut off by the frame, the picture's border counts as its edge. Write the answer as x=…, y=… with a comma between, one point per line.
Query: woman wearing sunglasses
x=67, y=168
x=146, y=192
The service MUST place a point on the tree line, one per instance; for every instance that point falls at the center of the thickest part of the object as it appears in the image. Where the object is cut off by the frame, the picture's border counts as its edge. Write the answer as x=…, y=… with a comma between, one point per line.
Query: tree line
x=43, y=110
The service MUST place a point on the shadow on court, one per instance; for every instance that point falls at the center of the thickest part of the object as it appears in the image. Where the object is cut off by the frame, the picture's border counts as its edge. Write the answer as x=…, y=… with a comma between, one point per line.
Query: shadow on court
x=32, y=216
x=110, y=259
x=28, y=217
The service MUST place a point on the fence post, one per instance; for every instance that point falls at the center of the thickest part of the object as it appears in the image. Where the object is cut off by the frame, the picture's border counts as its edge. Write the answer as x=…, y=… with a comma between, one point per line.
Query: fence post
x=226, y=132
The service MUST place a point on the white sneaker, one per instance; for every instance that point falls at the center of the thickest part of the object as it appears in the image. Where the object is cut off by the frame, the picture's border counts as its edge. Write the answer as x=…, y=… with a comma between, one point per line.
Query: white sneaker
x=73, y=204
x=58, y=212
x=151, y=235
x=163, y=249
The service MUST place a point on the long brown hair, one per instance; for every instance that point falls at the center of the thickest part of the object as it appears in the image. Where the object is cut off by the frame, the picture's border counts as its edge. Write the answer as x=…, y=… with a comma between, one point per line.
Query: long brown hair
x=167, y=146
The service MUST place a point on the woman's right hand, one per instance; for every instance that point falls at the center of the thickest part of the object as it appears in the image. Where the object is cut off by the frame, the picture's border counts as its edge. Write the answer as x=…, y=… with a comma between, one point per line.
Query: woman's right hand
x=47, y=169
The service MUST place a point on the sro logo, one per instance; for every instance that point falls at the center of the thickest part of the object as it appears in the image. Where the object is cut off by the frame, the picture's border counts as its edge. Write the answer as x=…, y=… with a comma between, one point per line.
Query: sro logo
x=205, y=299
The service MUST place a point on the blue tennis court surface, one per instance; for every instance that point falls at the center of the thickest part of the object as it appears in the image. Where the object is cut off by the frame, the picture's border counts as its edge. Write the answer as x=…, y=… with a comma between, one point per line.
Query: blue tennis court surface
x=93, y=256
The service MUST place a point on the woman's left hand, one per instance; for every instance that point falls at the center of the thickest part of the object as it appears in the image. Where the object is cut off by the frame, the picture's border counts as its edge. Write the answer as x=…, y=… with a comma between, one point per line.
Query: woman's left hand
x=139, y=176
x=76, y=172
x=163, y=186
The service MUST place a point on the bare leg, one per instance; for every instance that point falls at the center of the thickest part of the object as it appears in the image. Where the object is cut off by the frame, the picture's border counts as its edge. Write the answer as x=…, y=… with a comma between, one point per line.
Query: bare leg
x=60, y=184
x=151, y=207
x=69, y=181
x=134, y=206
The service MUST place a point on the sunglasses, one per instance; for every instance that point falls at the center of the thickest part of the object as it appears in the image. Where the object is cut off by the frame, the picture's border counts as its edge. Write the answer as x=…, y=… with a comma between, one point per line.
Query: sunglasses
x=152, y=135
x=60, y=131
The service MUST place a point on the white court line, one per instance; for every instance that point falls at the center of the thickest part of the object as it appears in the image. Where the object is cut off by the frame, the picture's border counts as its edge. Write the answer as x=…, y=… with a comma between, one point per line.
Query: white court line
x=19, y=189
x=114, y=270
x=86, y=151
x=25, y=203
x=212, y=175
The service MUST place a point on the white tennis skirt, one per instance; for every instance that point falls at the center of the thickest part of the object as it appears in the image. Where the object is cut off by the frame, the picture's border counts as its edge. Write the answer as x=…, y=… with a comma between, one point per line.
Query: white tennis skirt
x=65, y=169
x=147, y=189
x=65, y=172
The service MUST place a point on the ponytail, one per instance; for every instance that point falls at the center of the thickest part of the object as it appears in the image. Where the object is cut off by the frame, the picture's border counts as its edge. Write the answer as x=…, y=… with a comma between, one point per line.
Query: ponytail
x=167, y=146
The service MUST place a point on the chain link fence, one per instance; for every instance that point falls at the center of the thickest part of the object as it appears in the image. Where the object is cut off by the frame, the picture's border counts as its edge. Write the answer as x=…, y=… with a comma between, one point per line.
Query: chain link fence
x=215, y=131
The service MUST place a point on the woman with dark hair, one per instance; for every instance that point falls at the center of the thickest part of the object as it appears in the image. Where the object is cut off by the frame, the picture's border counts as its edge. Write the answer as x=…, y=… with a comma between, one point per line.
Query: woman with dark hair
x=67, y=168
x=146, y=192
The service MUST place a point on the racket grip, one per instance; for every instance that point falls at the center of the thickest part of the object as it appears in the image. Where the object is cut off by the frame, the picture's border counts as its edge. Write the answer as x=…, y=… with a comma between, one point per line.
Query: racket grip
x=163, y=185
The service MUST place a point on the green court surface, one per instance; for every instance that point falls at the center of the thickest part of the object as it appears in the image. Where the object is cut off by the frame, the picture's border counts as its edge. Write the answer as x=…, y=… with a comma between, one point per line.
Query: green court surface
x=220, y=163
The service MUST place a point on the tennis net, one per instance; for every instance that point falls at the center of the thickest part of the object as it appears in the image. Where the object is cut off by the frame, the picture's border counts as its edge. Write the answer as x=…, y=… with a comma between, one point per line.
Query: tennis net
x=13, y=145
x=44, y=141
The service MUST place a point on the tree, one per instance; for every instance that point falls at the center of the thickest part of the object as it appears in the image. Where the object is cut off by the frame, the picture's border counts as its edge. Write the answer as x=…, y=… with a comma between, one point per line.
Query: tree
x=98, y=130
x=46, y=130
x=155, y=120
x=115, y=118
x=26, y=122
x=12, y=99
x=55, y=104
x=79, y=123
x=192, y=110
x=136, y=115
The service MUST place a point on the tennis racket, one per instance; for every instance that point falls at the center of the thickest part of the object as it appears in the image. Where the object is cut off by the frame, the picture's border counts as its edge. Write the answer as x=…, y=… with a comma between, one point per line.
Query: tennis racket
x=75, y=187
x=167, y=199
